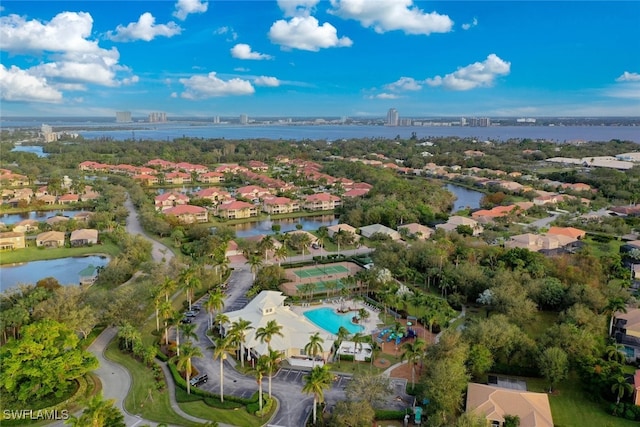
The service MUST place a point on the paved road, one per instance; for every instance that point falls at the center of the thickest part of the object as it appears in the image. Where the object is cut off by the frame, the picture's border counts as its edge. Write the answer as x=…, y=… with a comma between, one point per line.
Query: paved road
x=159, y=252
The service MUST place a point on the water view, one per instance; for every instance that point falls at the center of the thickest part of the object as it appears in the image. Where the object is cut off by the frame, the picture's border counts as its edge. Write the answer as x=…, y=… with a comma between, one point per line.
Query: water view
x=465, y=198
x=35, y=149
x=65, y=270
x=310, y=223
x=9, y=219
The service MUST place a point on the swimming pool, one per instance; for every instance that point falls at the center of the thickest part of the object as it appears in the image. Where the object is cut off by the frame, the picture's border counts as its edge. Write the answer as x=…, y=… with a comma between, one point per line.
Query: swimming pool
x=330, y=321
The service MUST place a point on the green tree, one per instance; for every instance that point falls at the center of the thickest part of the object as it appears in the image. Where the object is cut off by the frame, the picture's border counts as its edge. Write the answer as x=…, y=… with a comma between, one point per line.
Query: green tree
x=259, y=370
x=99, y=413
x=620, y=387
x=554, y=365
x=239, y=330
x=214, y=303
x=183, y=361
x=352, y=413
x=272, y=359
x=511, y=421
x=266, y=333
x=314, y=347
x=255, y=263
x=45, y=360
x=413, y=352
x=375, y=389
x=343, y=333
x=318, y=380
x=480, y=360
x=221, y=347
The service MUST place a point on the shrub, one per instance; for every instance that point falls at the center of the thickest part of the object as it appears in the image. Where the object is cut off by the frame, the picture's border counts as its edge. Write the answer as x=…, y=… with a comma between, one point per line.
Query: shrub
x=385, y=414
x=214, y=402
x=266, y=408
x=347, y=357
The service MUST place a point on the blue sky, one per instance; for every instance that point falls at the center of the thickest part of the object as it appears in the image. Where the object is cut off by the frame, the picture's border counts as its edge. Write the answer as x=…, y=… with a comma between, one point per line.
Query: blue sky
x=352, y=58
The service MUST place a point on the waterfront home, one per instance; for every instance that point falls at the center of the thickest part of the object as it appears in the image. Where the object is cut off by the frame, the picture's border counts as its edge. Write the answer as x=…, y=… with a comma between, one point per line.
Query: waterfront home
x=12, y=240
x=279, y=205
x=169, y=200
x=252, y=192
x=50, y=239
x=211, y=177
x=333, y=229
x=66, y=199
x=236, y=209
x=56, y=220
x=188, y=214
x=321, y=202
x=215, y=195
x=26, y=226
x=178, y=178
x=84, y=236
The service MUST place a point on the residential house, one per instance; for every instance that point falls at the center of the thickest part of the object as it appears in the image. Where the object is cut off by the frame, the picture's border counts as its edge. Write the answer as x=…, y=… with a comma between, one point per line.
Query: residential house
x=574, y=233
x=47, y=199
x=321, y=202
x=188, y=214
x=546, y=243
x=66, y=199
x=83, y=237
x=50, y=239
x=495, y=403
x=211, y=177
x=626, y=331
x=236, y=209
x=169, y=200
x=214, y=194
x=419, y=231
x=356, y=192
x=12, y=240
x=56, y=220
x=147, y=179
x=177, y=178
x=279, y=205
x=333, y=229
x=160, y=164
x=454, y=221
x=252, y=192
x=26, y=226
x=258, y=166
x=369, y=230
x=189, y=167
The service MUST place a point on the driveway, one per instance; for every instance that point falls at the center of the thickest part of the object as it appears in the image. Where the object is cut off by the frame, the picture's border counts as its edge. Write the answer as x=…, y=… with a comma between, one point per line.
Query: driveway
x=159, y=252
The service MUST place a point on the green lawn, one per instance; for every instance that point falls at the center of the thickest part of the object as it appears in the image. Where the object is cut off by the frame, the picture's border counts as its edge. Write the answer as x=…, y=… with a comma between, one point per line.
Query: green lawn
x=571, y=407
x=143, y=398
x=38, y=254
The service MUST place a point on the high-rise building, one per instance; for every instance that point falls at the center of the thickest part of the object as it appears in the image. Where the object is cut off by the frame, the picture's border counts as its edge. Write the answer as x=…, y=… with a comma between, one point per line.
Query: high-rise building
x=216, y=120
x=392, y=117
x=123, y=116
x=48, y=134
x=244, y=119
x=157, y=117
x=463, y=121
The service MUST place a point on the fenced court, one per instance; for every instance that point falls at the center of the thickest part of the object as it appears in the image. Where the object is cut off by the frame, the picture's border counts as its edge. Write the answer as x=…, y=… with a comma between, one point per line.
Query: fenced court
x=323, y=270
x=320, y=275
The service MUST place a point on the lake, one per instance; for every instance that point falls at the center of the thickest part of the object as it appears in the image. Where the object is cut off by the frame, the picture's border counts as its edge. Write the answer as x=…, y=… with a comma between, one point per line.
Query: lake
x=65, y=270
x=465, y=198
x=35, y=149
x=310, y=223
x=10, y=219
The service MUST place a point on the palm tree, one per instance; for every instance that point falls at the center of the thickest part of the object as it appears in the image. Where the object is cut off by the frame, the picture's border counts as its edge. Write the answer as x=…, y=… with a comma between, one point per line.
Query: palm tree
x=239, y=329
x=255, y=263
x=413, y=351
x=189, y=331
x=189, y=286
x=259, y=370
x=174, y=321
x=167, y=312
x=343, y=333
x=357, y=339
x=156, y=294
x=314, y=347
x=266, y=245
x=615, y=353
x=281, y=254
x=318, y=380
x=363, y=313
x=214, y=303
x=272, y=359
x=183, y=361
x=614, y=306
x=266, y=333
x=167, y=287
x=220, y=320
x=220, y=349
x=620, y=387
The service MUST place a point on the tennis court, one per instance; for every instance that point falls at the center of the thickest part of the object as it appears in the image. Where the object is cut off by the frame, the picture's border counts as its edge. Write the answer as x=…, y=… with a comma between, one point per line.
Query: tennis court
x=321, y=271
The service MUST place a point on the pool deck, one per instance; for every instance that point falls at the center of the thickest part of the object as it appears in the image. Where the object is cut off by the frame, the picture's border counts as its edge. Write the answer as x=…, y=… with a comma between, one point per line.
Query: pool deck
x=370, y=324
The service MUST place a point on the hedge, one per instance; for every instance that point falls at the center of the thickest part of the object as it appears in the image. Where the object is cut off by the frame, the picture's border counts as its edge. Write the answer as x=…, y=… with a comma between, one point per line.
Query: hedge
x=385, y=414
x=214, y=402
x=347, y=357
x=266, y=408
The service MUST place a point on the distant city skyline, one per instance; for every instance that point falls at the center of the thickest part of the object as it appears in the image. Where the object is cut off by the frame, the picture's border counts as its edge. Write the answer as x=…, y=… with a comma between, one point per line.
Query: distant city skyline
x=342, y=58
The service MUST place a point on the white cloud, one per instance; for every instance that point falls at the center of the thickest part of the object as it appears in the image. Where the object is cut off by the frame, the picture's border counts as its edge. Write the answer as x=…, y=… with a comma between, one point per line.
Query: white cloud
x=18, y=85
x=241, y=69
x=266, y=81
x=145, y=29
x=304, y=33
x=209, y=86
x=628, y=77
x=629, y=90
x=384, y=96
x=478, y=74
x=471, y=24
x=391, y=15
x=186, y=7
x=297, y=7
x=226, y=30
x=243, y=51
x=404, y=83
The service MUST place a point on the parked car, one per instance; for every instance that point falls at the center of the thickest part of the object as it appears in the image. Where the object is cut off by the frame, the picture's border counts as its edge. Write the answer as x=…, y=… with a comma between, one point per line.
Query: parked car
x=185, y=320
x=190, y=314
x=199, y=380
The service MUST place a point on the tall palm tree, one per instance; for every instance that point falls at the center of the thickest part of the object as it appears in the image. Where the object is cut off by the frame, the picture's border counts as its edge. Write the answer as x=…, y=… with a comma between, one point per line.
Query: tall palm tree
x=239, y=330
x=266, y=245
x=220, y=320
x=413, y=352
x=281, y=254
x=343, y=333
x=156, y=294
x=615, y=305
x=167, y=287
x=183, y=361
x=175, y=322
x=363, y=314
x=255, y=263
x=318, y=380
x=189, y=287
x=357, y=339
x=314, y=347
x=259, y=370
x=221, y=347
x=272, y=359
x=166, y=310
x=214, y=303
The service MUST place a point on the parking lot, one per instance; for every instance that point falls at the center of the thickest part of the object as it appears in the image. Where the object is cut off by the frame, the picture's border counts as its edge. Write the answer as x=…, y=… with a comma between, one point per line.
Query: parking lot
x=297, y=376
